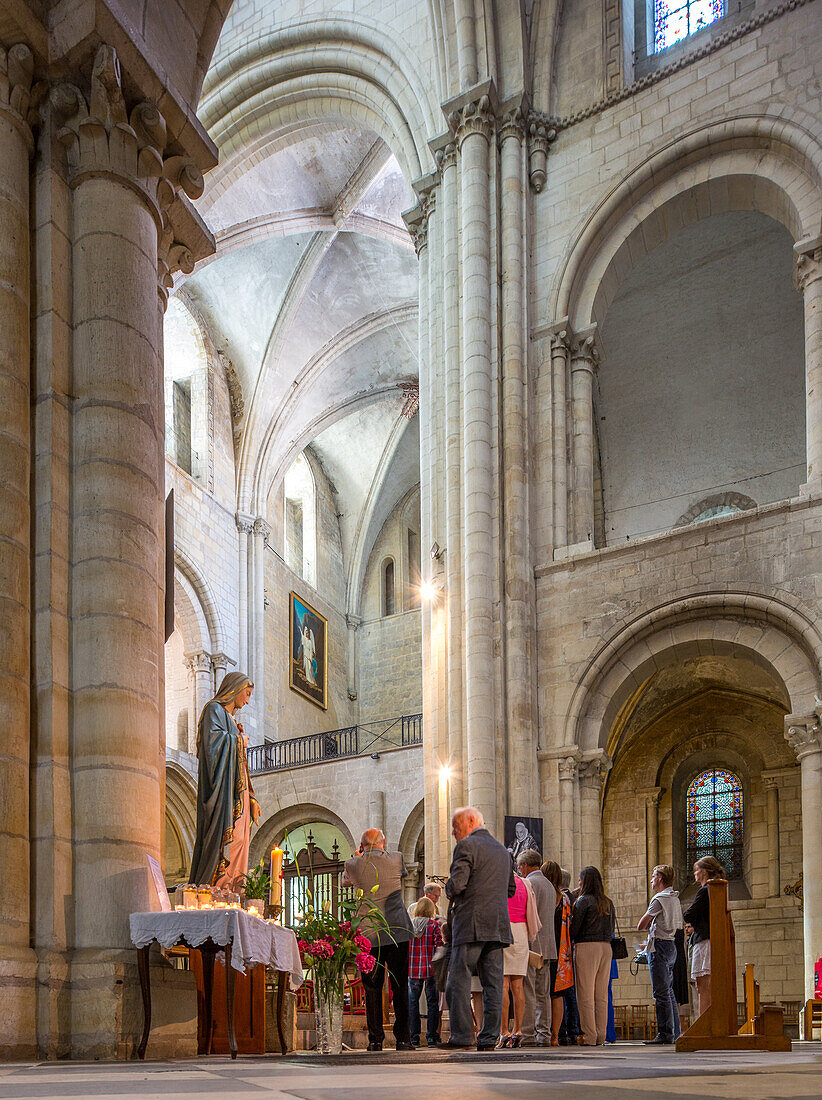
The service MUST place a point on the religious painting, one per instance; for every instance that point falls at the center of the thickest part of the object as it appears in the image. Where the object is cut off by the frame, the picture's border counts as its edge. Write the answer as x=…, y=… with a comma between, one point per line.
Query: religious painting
x=308, y=636
x=522, y=833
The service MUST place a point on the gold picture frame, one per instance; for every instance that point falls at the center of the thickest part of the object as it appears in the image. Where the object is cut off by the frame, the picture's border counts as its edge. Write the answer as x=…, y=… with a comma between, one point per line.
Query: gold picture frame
x=308, y=651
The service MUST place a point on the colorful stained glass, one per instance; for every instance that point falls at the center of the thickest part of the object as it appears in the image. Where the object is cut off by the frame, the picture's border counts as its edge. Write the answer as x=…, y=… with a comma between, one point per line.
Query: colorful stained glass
x=676, y=19
x=714, y=819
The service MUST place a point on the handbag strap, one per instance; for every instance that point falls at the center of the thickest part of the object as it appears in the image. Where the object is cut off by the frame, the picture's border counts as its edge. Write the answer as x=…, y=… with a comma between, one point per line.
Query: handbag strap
x=615, y=921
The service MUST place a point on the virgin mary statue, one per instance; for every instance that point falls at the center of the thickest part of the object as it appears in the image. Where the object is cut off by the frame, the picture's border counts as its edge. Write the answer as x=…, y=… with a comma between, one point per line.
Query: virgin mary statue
x=225, y=800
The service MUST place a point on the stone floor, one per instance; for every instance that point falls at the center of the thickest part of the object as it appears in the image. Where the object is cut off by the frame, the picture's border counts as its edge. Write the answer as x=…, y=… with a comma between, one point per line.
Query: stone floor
x=617, y=1073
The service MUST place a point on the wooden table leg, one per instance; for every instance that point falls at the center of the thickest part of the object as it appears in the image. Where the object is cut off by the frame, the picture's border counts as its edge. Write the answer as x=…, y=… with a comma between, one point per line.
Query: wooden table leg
x=145, y=988
x=281, y=977
x=229, y=996
x=207, y=957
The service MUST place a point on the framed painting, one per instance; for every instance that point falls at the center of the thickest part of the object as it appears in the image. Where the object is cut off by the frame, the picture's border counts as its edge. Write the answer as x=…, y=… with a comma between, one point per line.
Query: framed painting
x=308, y=662
x=522, y=833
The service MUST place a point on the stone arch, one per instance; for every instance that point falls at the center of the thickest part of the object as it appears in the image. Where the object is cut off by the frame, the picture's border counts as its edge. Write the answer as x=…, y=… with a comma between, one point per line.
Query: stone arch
x=273, y=830
x=776, y=633
x=762, y=163
x=412, y=830
x=199, y=587
x=319, y=69
x=736, y=501
x=181, y=808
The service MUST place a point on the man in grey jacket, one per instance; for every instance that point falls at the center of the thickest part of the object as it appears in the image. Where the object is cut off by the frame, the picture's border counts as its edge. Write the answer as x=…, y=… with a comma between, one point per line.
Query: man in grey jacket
x=379, y=875
x=536, y=1023
x=481, y=881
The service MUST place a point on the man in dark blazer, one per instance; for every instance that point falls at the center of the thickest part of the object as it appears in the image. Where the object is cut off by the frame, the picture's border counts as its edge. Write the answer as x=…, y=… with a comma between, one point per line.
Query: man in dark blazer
x=379, y=874
x=481, y=881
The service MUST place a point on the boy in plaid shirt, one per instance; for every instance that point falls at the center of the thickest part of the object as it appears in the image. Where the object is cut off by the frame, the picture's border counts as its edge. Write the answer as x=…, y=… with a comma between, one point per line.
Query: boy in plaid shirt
x=427, y=938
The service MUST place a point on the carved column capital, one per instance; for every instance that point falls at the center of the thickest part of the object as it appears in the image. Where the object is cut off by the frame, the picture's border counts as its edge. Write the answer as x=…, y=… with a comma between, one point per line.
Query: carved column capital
x=808, y=265
x=198, y=662
x=586, y=353
x=541, y=132
x=105, y=138
x=353, y=622
x=262, y=528
x=512, y=125
x=476, y=117
x=804, y=733
x=221, y=661
x=652, y=796
x=245, y=524
x=447, y=157
x=16, y=76
x=592, y=771
x=567, y=767
x=770, y=782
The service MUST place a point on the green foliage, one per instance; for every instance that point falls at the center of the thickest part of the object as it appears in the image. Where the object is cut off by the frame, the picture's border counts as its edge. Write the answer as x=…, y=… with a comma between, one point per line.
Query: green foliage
x=257, y=882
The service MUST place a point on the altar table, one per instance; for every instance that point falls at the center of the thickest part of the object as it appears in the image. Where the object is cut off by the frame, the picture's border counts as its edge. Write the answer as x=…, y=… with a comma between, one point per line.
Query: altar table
x=244, y=940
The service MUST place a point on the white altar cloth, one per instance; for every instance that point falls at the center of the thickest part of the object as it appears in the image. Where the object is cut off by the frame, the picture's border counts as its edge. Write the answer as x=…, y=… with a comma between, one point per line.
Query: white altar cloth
x=253, y=940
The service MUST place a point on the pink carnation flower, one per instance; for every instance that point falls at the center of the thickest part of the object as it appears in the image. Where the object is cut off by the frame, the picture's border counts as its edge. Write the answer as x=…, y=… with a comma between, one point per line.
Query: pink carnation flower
x=365, y=962
x=363, y=943
x=321, y=949
x=345, y=926
x=302, y=945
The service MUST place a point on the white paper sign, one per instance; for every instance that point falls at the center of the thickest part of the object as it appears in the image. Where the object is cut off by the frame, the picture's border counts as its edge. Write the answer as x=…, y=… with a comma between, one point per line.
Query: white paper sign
x=159, y=883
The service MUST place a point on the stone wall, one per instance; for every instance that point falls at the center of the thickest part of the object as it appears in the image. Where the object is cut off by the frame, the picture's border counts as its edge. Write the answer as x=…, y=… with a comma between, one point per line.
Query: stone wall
x=390, y=669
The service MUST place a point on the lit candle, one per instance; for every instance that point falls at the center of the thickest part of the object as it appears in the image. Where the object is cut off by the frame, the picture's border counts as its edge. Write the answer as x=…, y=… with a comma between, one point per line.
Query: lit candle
x=253, y=911
x=180, y=908
x=275, y=894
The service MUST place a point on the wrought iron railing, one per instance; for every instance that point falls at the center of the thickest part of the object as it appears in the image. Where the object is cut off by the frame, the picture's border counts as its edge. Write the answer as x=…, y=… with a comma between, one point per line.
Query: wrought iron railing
x=316, y=748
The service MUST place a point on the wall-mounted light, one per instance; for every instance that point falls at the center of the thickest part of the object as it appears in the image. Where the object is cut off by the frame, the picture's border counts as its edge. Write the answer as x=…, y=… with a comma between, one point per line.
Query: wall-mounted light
x=428, y=591
x=445, y=773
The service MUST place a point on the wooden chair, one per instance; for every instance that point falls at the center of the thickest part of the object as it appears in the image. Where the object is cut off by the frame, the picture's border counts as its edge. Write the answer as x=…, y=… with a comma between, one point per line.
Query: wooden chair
x=621, y=1021
x=813, y=1018
x=638, y=1021
x=791, y=1011
x=357, y=992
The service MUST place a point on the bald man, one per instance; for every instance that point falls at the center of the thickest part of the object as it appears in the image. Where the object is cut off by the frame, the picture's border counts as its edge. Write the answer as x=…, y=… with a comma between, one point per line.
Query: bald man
x=379, y=875
x=480, y=884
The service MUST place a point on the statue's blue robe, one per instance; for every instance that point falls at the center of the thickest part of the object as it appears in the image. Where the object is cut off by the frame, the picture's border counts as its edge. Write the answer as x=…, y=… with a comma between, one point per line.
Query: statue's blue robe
x=220, y=784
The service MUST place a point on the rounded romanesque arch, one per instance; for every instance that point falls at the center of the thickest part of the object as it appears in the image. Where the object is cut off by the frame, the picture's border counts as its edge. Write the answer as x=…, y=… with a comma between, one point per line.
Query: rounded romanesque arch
x=273, y=830
x=773, y=633
x=181, y=821
x=760, y=163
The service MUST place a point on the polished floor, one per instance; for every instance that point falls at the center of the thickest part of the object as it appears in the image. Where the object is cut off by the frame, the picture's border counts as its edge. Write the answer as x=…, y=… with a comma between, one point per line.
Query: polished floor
x=615, y=1073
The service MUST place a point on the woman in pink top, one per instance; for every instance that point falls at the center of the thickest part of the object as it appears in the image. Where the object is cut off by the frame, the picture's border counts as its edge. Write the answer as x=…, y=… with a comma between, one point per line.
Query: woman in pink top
x=525, y=924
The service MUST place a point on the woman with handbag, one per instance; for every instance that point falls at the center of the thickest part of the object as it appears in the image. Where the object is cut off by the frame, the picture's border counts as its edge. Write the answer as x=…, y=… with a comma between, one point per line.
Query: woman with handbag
x=525, y=924
x=592, y=930
x=562, y=968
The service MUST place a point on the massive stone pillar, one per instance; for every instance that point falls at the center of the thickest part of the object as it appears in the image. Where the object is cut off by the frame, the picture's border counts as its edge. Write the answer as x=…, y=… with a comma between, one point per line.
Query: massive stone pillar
x=474, y=126
x=809, y=281
x=584, y=359
x=123, y=252
x=804, y=734
x=518, y=635
x=17, y=960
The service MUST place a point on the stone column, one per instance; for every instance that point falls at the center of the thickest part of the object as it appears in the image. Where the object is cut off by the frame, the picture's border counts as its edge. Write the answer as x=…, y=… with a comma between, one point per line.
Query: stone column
x=584, y=359
x=200, y=666
x=804, y=734
x=221, y=663
x=376, y=810
x=121, y=190
x=353, y=622
x=259, y=541
x=809, y=280
x=521, y=761
x=17, y=960
x=772, y=826
x=474, y=126
x=592, y=772
x=466, y=42
x=245, y=528
x=559, y=369
x=652, y=797
x=457, y=750
x=567, y=768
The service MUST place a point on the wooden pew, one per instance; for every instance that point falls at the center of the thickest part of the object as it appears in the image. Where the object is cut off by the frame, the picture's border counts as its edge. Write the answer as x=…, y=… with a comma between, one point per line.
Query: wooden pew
x=716, y=1028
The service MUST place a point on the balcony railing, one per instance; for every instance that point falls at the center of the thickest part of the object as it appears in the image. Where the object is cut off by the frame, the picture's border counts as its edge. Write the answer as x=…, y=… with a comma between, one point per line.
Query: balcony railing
x=318, y=748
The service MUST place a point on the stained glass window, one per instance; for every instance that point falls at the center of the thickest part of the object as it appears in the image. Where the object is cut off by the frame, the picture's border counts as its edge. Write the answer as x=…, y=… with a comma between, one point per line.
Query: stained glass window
x=676, y=19
x=714, y=819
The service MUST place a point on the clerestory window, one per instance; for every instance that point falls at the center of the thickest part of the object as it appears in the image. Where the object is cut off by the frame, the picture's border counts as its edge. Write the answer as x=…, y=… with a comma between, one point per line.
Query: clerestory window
x=674, y=20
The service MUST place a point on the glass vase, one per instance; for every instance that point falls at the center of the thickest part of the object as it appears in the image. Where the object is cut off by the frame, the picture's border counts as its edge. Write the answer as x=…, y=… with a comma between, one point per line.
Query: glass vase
x=328, y=1012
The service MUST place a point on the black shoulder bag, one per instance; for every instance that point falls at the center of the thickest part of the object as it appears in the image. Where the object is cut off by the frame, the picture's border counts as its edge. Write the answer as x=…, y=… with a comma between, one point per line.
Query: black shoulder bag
x=619, y=948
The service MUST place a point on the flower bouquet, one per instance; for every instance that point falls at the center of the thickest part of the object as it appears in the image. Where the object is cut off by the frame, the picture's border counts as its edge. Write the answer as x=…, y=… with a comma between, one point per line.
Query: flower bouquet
x=329, y=946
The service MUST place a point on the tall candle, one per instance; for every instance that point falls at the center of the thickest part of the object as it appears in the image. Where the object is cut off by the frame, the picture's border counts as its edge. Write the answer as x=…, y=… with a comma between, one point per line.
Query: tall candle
x=275, y=893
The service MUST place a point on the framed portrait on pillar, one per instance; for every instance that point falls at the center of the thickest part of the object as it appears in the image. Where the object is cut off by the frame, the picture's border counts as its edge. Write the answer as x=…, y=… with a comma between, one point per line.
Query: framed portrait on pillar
x=308, y=645
x=522, y=833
